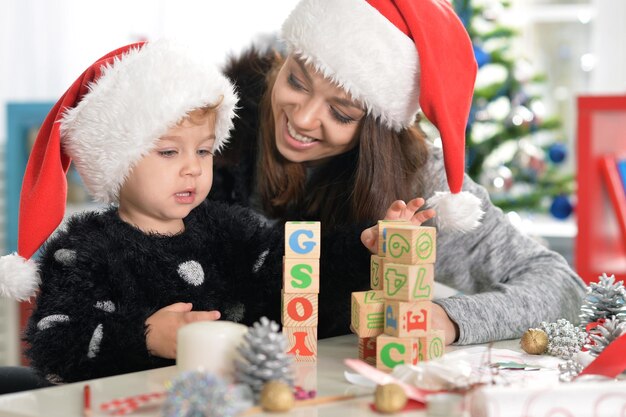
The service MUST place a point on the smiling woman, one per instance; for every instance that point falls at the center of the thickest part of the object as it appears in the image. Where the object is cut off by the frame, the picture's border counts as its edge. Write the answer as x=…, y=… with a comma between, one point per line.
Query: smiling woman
x=327, y=130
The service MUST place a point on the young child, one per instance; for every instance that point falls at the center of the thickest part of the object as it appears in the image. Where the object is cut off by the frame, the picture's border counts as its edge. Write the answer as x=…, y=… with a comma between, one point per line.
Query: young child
x=142, y=125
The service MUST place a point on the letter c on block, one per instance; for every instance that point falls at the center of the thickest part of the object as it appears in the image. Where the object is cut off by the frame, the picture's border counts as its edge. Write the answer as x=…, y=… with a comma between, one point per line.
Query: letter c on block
x=385, y=354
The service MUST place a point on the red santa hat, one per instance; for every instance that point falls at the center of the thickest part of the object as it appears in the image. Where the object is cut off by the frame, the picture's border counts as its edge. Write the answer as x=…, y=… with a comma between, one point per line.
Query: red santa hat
x=109, y=118
x=399, y=57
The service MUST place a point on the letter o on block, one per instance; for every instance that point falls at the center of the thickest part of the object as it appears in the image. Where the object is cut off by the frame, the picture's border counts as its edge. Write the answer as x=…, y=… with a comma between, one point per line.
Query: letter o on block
x=299, y=310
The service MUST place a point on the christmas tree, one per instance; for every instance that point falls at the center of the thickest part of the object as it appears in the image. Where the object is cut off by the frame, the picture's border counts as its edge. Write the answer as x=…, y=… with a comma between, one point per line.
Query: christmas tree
x=513, y=148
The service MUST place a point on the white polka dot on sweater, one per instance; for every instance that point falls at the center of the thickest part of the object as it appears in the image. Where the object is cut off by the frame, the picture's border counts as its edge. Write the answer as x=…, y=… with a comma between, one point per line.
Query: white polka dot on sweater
x=94, y=343
x=65, y=256
x=235, y=313
x=192, y=272
x=260, y=260
x=52, y=320
x=107, y=306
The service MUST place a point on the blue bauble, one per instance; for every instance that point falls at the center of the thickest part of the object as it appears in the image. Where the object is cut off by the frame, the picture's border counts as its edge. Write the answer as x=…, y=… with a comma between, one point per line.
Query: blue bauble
x=561, y=208
x=481, y=56
x=557, y=153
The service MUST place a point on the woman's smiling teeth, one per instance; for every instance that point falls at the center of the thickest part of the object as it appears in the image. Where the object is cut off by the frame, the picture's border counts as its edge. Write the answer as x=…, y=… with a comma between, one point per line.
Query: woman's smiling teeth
x=297, y=136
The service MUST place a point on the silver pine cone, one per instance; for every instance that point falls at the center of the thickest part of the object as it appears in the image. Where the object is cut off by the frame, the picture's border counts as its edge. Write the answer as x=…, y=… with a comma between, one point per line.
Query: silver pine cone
x=610, y=330
x=564, y=339
x=604, y=299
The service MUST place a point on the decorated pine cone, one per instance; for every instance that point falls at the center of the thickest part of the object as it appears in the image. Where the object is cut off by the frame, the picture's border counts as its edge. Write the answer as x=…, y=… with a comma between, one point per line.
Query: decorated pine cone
x=202, y=394
x=276, y=397
x=264, y=357
x=534, y=341
x=604, y=299
x=569, y=370
x=610, y=330
x=389, y=398
x=564, y=339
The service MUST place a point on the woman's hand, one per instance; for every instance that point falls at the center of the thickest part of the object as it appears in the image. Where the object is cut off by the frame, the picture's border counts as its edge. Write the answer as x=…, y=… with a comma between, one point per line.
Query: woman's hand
x=398, y=210
x=441, y=321
x=164, y=324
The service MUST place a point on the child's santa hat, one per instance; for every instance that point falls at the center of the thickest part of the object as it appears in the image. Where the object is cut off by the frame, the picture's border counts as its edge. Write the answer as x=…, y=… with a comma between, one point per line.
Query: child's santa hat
x=399, y=57
x=110, y=117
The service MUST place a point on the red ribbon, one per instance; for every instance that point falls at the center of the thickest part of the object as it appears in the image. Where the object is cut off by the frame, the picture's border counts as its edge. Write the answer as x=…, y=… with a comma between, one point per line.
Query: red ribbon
x=611, y=362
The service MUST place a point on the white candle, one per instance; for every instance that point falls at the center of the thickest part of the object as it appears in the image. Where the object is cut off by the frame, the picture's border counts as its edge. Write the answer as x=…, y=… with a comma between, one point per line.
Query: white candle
x=209, y=346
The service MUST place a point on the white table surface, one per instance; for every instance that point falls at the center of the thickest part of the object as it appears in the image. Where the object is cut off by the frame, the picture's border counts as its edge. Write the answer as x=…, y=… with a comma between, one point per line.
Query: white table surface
x=328, y=375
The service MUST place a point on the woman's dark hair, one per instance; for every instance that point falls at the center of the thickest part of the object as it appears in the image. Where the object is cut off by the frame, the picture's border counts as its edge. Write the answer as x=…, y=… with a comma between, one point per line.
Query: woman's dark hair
x=354, y=187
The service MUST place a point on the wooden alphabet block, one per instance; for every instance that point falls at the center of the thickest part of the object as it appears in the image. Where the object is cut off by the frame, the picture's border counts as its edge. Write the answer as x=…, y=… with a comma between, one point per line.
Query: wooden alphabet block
x=408, y=282
x=367, y=350
x=382, y=234
x=376, y=272
x=302, y=239
x=408, y=244
x=367, y=313
x=299, y=310
x=301, y=343
x=393, y=351
x=301, y=275
x=432, y=345
x=407, y=319
x=305, y=375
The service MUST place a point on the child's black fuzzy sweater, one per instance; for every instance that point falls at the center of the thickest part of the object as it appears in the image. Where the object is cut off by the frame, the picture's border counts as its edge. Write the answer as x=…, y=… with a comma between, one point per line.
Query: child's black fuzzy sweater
x=102, y=278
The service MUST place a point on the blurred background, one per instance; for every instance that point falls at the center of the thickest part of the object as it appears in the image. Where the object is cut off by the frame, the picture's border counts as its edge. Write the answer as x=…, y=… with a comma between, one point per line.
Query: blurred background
x=536, y=58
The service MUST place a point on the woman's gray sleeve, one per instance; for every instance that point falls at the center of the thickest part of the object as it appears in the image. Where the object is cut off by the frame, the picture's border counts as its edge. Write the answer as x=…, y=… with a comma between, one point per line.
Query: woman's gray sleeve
x=509, y=281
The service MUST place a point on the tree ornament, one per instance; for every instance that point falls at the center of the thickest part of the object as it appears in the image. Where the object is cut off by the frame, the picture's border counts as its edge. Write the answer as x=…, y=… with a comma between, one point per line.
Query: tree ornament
x=561, y=207
x=276, y=396
x=530, y=160
x=608, y=331
x=497, y=180
x=569, y=370
x=201, y=394
x=604, y=299
x=264, y=357
x=389, y=398
x=557, y=153
x=534, y=341
x=482, y=57
x=564, y=339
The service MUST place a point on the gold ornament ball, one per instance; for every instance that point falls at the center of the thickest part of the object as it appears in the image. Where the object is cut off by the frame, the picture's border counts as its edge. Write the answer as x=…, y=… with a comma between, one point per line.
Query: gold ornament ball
x=276, y=396
x=389, y=398
x=534, y=341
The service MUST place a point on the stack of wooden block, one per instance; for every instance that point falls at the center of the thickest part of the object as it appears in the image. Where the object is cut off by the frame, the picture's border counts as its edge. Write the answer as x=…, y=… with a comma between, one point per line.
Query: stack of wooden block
x=301, y=266
x=393, y=320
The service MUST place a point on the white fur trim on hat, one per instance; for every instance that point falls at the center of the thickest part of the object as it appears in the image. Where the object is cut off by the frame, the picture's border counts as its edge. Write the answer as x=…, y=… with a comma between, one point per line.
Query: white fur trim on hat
x=460, y=212
x=19, y=277
x=355, y=46
x=134, y=102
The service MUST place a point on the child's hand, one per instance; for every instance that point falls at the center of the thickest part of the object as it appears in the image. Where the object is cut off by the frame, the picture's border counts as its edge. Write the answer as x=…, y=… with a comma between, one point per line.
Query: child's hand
x=399, y=210
x=164, y=324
